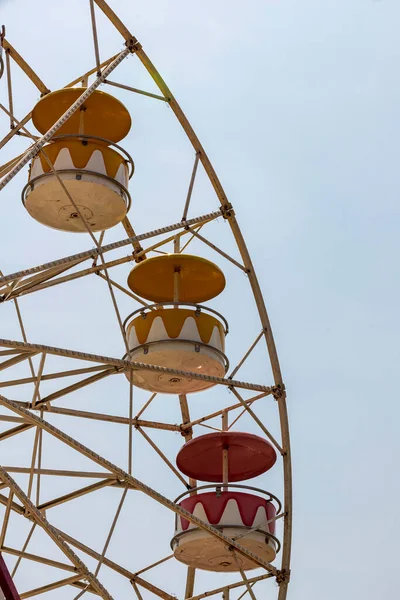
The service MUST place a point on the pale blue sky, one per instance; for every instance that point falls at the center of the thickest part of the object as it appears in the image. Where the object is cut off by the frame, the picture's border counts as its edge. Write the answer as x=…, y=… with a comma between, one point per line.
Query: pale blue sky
x=297, y=104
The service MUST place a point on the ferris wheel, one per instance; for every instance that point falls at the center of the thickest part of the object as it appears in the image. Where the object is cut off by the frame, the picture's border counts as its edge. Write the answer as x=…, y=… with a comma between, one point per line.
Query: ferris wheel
x=161, y=471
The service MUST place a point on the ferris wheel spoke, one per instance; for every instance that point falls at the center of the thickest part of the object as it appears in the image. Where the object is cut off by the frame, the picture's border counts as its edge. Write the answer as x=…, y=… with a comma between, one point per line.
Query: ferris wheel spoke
x=17, y=508
x=11, y=362
x=15, y=130
x=191, y=184
x=183, y=402
x=95, y=37
x=137, y=591
x=37, y=440
x=9, y=86
x=137, y=248
x=146, y=405
x=28, y=285
x=51, y=586
x=94, y=252
x=126, y=365
x=188, y=435
x=247, y=354
x=79, y=493
x=74, y=387
x=155, y=564
x=135, y=90
x=153, y=588
x=14, y=290
x=61, y=473
x=71, y=412
x=6, y=518
x=244, y=578
x=190, y=579
x=4, y=435
x=39, y=559
x=50, y=376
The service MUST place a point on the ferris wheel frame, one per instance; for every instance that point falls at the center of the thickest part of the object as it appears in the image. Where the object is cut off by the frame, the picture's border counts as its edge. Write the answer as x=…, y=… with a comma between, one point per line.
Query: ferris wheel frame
x=14, y=286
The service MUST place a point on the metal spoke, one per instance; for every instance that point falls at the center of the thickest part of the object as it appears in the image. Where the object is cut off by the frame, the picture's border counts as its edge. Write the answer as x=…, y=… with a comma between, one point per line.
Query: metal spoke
x=95, y=39
x=93, y=252
x=136, y=90
x=191, y=184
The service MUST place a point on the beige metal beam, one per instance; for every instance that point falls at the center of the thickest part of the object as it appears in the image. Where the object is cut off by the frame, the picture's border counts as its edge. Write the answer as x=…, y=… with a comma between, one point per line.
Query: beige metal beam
x=190, y=578
x=32, y=282
x=49, y=376
x=25, y=67
x=40, y=559
x=95, y=252
x=4, y=435
x=153, y=589
x=51, y=586
x=75, y=386
x=71, y=412
x=136, y=90
x=126, y=365
x=17, y=359
x=139, y=254
x=77, y=494
x=61, y=472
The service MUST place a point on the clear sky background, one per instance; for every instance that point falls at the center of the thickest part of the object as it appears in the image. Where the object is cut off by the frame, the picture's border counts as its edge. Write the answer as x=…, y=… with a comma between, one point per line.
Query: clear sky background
x=297, y=104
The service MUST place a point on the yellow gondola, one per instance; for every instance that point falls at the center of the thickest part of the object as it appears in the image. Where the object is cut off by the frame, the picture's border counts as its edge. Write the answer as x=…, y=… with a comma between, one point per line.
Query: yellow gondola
x=94, y=174
x=177, y=332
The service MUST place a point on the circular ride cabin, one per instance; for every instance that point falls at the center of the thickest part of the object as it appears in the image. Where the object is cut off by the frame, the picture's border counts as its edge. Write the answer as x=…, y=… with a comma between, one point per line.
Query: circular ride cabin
x=177, y=332
x=235, y=510
x=88, y=162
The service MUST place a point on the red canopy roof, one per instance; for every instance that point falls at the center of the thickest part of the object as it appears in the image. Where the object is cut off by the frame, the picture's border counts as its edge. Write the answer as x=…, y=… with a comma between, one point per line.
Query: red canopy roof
x=249, y=455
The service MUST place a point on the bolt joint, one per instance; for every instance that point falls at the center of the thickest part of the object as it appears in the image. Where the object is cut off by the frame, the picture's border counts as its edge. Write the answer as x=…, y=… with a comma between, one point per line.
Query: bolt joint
x=136, y=258
x=227, y=210
x=279, y=391
x=186, y=431
x=282, y=577
x=133, y=45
